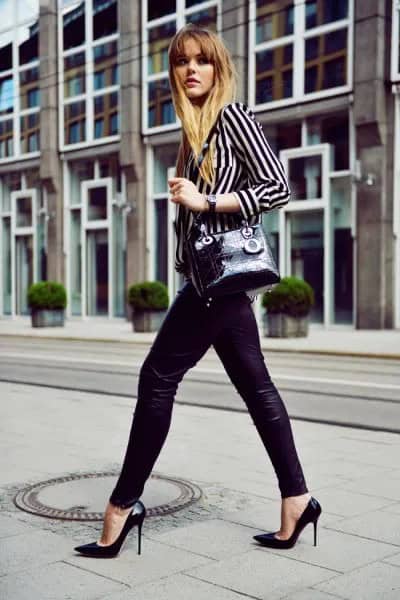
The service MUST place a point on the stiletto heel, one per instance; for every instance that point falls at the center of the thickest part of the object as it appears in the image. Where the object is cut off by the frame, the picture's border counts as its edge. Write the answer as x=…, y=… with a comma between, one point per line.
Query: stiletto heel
x=135, y=517
x=310, y=515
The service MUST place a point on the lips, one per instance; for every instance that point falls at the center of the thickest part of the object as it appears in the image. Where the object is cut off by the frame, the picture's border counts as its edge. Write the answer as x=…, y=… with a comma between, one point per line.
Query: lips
x=191, y=80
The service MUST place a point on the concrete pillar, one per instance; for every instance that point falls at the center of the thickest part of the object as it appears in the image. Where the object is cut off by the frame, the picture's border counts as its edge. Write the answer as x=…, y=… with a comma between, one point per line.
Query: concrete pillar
x=373, y=118
x=50, y=170
x=132, y=153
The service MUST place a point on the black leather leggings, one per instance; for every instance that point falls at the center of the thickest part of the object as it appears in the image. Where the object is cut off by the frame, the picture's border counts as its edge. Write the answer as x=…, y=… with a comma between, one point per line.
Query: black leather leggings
x=189, y=329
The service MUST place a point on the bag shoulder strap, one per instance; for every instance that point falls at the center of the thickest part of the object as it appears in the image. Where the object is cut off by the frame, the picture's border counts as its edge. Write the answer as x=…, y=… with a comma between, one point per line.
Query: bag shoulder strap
x=205, y=147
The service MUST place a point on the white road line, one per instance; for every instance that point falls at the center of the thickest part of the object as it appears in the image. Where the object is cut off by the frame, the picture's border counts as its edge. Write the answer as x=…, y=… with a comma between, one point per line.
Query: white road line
x=71, y=359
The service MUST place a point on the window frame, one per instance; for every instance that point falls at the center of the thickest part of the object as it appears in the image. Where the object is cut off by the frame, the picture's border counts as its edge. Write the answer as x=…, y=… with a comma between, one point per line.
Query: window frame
x=179, y=17
x=90, y=92
x=298, y=39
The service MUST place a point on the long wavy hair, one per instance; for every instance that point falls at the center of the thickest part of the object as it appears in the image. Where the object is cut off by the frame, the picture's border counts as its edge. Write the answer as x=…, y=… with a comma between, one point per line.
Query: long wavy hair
x=198, y=120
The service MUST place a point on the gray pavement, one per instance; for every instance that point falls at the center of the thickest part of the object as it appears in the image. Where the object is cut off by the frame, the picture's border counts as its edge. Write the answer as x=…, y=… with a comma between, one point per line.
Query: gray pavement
x=341, y=340
x=207, y=550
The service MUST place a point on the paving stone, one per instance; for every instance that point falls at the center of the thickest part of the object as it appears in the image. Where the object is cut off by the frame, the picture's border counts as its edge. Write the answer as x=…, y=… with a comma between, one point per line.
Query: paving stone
x=178, y=587
x=57, y=581
x=354, y=551
x=263, y=576
x=311, y=594
x=393, y=560
x=155, y=562
x=376, y=525
x=21, y=552
x=376, y=581
x=348, y=503
x=10, y=526
x=393, y=508
x=214, y=538
x=383, y=487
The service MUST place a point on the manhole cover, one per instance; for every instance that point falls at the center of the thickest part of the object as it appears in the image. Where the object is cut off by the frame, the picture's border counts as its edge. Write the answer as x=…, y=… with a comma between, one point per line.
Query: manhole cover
x=84, y=497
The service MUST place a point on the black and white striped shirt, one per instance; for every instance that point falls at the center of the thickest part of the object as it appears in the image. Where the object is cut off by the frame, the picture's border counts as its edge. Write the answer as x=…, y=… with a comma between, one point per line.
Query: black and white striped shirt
x=245, y=165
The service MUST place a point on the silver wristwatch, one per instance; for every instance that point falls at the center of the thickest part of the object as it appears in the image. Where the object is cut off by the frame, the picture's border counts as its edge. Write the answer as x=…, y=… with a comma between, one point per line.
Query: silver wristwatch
x=212, y=201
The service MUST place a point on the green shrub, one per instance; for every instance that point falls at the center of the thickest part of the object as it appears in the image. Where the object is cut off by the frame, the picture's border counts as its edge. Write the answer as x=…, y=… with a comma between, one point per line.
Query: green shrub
x=148, y=295
x=291, y=296
x=47, y=295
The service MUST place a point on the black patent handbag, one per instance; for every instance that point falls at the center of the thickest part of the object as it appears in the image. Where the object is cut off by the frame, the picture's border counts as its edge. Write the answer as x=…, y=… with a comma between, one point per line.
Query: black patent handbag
x=227, y=262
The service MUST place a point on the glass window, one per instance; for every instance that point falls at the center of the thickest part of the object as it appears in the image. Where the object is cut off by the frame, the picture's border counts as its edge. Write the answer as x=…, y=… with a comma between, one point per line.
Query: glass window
x=105, y=62
x=7, y=13
x=6, y=95
x=74, y=75
x=282, y=136
x=332, y=129
x=159, y=97
x=81, y=170
x=6, y=259
x=6, y=51
x=319, y=12
x=161, y=237
x=274, y=19
x=29, y=88
x=29, y=132
x=305, y=175
x=76, y=261
x=99, y=128
x=24, y=212
x=159, y=39
x=205, y=18
x=73, y=25
x=28, y=43
x=155, y=10
x=6, y=138
x=274, y=74
x=105, y=18
x=97, y=203
x=326, y=61
x=75, y=122
x=114, y=124
x=27, y=9
x=106, y=110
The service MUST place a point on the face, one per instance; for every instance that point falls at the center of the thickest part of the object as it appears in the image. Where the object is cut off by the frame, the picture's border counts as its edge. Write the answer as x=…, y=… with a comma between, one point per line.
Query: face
x=194, y=72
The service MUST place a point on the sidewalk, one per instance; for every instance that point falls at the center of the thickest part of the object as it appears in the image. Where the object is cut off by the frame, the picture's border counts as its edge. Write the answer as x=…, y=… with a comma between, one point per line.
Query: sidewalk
x=205, y=551
x=339, y=340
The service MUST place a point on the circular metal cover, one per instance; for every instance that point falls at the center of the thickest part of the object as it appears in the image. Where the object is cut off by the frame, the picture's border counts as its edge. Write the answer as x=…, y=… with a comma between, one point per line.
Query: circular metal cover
x=83, y=497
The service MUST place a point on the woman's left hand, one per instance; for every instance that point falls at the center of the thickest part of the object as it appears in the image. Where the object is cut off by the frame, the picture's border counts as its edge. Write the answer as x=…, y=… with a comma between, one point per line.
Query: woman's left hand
x=185, y=192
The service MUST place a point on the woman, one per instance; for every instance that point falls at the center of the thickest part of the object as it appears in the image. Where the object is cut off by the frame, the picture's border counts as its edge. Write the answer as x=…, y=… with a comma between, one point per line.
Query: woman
x=239, y=178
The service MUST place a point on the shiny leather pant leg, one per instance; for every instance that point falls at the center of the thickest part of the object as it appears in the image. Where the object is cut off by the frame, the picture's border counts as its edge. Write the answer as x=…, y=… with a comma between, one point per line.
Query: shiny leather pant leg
x=189, y=329
x=238, y=347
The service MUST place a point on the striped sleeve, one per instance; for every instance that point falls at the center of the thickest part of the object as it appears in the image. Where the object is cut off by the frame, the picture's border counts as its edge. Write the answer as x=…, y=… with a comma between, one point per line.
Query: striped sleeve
x=269, y=187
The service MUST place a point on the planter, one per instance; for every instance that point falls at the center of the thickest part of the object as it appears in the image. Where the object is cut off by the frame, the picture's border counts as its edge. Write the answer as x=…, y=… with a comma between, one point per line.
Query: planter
x=44, y=317
x=147, y=320
x=284, y=326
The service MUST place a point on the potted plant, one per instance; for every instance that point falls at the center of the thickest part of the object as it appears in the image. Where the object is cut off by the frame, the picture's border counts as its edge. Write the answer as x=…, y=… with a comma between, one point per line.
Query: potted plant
x=149, y=301
x=288, y=305
x=47, y=301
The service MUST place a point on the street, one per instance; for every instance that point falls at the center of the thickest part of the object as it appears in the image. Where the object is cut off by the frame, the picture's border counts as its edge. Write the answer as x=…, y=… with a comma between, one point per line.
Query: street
x=354, y=391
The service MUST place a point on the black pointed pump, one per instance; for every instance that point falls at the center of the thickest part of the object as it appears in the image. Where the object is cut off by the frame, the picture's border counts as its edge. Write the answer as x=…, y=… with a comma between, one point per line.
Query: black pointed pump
x=135, y=517
x=310, y=515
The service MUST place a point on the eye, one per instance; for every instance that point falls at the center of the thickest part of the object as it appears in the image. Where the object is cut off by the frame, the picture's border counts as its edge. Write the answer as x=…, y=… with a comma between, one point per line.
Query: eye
x=203, y=60
x=181, y=61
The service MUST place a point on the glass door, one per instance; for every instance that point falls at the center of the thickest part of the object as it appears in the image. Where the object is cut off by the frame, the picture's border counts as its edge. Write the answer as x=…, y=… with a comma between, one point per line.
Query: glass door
x=23, y=248
x=23, y=271
x=97, y=272
x=305, y=244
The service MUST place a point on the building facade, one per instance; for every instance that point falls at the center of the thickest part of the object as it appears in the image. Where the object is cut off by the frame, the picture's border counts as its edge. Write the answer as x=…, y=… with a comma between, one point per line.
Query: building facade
x=89, y=137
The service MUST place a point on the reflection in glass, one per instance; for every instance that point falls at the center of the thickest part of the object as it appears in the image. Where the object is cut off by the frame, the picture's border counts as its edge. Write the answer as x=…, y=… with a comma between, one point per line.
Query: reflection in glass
x=305, y=177
x=105, y=18
x=7, y=13
x=29, y=88
x=307, y=255
x=340, y=203
x=105, y=63
x=29, y=133
x=106, y=115
x=97, y=272
x=6, y=138
x=6, y=51
x=274, y=19
x=74, y=75
x=160, y=9
x=74, y=122
x=161, y=236
x=27, y=9
x=159, y=39
x=6, y=95
x=274, y=74
x=333, y=129
x=23, y=271
x=161, y=110
x=319, y=12
x=6, y=260
x=283, y=135
x=205, y=18
x=24, y=211
x=326, y=58
x=28, y=43
x=76, y=262
x=74, y=25
x=97, y=203
x=119, y=262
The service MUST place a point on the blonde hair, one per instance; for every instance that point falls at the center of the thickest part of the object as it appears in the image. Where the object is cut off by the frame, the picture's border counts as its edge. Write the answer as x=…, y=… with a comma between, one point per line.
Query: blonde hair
x=198, y=120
